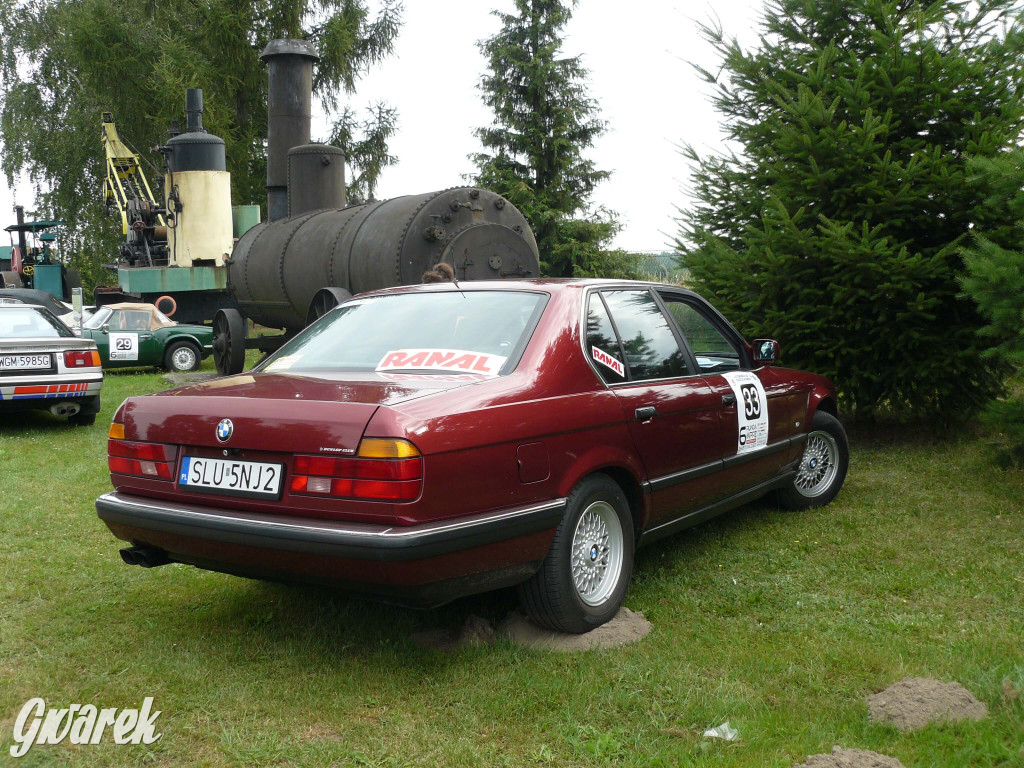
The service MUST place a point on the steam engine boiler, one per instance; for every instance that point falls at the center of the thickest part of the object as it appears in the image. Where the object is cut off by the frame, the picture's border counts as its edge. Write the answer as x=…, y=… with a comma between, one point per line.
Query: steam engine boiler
x=314, y=252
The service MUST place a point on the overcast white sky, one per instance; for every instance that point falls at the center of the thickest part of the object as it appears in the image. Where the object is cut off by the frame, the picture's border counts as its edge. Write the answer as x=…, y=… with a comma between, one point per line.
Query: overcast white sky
x=637, y=56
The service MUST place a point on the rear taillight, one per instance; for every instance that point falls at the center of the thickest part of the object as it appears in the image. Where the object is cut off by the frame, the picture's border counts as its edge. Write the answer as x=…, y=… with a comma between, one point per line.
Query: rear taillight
x=83, y=358
x=382, y=470
x=129, y=457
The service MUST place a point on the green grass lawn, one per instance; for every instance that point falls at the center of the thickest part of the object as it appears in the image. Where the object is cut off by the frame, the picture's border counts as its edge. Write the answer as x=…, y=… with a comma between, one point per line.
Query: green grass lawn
x=781, y=623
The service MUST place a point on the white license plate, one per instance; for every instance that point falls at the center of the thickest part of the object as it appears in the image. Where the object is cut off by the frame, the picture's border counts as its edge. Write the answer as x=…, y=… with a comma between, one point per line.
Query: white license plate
x=25, y=362
x=235, y=478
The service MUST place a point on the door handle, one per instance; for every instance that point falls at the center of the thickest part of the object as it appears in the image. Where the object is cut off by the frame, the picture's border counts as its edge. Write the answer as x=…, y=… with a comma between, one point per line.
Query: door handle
x=728, y=399
x=145, y=336
x=646, y=413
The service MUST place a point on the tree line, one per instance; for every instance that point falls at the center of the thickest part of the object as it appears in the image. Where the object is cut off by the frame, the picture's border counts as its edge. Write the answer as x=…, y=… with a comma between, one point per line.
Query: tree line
x=869, y=218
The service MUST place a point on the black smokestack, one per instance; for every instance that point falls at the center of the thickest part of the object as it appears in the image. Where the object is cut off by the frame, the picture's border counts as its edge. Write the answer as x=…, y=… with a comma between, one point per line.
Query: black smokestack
x=290, y=65
x=194, y=110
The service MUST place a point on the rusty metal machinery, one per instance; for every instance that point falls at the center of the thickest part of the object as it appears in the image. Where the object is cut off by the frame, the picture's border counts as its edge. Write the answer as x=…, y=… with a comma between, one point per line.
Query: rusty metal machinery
x=314, y=252
x=276, y=269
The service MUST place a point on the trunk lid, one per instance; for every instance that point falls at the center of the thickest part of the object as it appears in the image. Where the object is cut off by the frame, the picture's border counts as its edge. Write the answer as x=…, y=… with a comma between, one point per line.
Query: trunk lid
x=286, y=413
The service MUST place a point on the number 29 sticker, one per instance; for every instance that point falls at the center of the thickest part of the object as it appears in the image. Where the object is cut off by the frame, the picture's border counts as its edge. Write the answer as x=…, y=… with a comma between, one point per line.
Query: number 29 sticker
x=751, y=411
x=124, y=346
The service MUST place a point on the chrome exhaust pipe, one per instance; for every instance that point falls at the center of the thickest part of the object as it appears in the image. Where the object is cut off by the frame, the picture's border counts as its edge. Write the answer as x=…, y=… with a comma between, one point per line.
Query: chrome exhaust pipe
x=65, y=409
x=147, y=557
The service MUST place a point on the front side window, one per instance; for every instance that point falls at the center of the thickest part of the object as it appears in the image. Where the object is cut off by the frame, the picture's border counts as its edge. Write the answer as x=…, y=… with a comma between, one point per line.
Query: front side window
x=652, y=351
x=714, y=352
x=481, y=333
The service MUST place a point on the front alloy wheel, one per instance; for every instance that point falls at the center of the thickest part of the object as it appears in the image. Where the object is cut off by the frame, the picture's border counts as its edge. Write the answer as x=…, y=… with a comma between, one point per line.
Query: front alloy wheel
x=822, y=468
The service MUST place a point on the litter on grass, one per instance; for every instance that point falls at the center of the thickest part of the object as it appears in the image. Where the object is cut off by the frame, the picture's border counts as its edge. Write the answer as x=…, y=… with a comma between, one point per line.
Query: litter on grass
x=724, y=731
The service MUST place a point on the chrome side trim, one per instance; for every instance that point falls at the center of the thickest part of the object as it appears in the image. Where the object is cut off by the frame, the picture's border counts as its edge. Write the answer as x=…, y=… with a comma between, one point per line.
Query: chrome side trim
x=666, y=481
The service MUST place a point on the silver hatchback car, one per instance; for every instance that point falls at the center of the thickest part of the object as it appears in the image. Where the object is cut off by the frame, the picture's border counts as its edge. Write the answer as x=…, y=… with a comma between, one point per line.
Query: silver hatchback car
x=44, y=366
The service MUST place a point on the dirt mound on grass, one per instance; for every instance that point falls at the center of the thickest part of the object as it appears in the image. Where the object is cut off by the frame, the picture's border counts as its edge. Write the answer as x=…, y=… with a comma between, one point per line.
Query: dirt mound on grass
x=914, y=702
x=851, y=758
x=627, y=627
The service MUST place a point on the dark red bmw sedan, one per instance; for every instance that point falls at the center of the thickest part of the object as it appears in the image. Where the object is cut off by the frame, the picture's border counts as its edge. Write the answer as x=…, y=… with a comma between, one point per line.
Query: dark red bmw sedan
x=428, y=442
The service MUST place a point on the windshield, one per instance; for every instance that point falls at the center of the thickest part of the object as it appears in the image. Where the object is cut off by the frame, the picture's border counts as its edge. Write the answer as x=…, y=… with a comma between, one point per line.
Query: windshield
x=30, y=322
x=101, y=316
x=480, y=333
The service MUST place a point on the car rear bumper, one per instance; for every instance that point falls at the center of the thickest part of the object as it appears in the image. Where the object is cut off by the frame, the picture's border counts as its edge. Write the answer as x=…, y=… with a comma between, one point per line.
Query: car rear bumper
x=421, y=564
x=59, y=387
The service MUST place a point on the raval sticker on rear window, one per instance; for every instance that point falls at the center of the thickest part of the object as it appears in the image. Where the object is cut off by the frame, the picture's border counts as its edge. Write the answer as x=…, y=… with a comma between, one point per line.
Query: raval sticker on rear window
x=442, y=360
x=751, y=410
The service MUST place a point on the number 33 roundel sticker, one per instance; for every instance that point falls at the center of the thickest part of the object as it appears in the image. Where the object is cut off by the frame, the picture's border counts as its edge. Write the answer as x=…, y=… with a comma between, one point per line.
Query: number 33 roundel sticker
x=751, y=410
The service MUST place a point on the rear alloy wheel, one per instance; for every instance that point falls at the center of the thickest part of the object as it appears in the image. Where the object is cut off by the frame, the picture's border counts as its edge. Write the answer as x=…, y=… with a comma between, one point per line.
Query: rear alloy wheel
x=181, y=357
x=584, y=578
x=823, y=466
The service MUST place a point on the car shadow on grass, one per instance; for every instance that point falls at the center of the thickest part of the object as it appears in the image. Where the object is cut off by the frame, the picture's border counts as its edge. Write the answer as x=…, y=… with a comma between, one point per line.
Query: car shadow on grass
x=29, y=422
x=336, y=622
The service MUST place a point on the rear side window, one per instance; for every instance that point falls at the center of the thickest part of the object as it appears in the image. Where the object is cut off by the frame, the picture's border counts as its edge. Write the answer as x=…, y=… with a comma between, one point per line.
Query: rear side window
x=602, y=344
x=651, y=348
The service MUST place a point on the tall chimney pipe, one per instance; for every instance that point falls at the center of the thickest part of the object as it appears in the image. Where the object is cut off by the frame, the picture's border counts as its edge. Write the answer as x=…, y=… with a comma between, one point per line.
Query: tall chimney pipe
x=194, y=110
x=289, y=105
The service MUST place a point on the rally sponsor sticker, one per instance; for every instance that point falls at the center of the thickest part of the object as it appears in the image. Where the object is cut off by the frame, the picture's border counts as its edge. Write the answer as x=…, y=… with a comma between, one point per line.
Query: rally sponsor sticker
x=443, y=360
x=751, y=410
x=608, y=361
x=124, y=346
x=283, y=363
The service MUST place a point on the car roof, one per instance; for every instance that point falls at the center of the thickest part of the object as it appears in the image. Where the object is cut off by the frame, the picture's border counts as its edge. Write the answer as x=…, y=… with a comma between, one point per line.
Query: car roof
x=547, y=284
x=35, y=296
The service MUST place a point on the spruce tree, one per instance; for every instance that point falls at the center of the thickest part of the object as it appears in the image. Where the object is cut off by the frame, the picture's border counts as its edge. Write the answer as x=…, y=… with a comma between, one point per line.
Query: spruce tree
x=543, y=123
x=836, y=227
x=994, y=279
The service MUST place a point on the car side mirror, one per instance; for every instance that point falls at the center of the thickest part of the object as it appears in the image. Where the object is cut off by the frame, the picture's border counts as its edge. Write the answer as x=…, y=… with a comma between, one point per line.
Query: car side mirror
x=766, y=351
x=105, y=328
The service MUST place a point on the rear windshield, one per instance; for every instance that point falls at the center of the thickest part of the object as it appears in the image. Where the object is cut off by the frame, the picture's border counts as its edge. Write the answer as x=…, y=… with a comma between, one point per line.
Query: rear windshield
x=30, y=322
x=478, y=333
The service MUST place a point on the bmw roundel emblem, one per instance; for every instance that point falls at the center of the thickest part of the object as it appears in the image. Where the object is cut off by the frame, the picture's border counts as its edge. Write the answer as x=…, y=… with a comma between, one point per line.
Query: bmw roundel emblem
x=224, y=430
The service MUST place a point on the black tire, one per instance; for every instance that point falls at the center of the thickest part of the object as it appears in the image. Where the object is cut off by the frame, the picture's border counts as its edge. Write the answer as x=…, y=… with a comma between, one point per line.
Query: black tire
x=823, y=466
x=182, y=357
x=552, y=597
x=82, y=419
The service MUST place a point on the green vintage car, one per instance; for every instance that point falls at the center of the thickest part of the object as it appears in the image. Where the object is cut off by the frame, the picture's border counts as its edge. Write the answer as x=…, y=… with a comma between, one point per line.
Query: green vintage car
x=129, y=335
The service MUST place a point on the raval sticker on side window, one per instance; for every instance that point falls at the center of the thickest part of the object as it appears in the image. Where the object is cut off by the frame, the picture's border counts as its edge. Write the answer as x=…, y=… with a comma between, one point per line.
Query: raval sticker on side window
x=751, y=410
x=608, y=361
